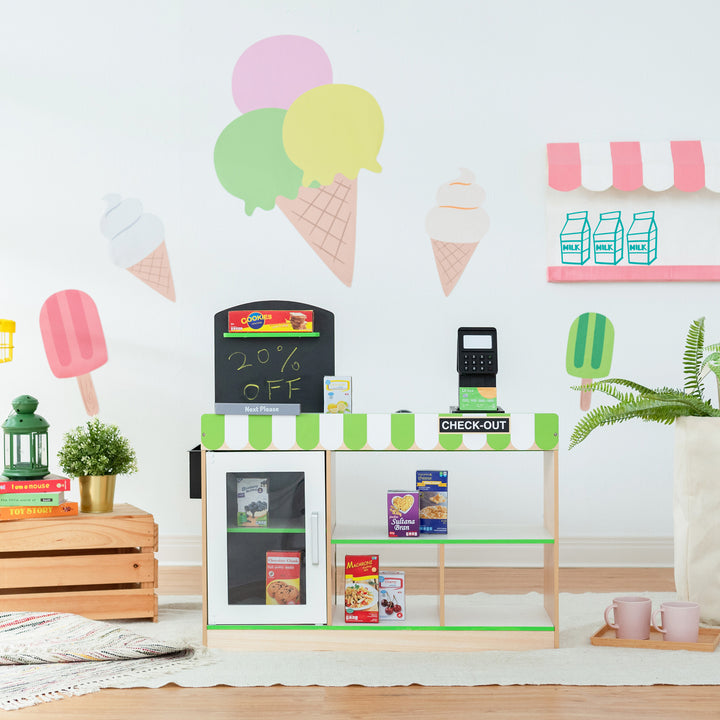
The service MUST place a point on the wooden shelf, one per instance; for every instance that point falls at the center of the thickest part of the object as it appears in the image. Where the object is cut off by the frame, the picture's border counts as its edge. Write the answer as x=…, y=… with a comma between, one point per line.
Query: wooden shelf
x=457, y=534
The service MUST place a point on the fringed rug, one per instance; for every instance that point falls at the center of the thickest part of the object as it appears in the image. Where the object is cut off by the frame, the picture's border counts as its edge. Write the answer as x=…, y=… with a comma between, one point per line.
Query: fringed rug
x=46, y=656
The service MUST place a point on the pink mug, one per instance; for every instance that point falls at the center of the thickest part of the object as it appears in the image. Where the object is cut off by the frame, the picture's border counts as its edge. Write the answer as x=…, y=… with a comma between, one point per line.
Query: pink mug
x=680, y=621
x=631, y=616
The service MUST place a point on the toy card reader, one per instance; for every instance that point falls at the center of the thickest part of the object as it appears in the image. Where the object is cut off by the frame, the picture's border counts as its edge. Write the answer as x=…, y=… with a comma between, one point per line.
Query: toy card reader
x=477, y=366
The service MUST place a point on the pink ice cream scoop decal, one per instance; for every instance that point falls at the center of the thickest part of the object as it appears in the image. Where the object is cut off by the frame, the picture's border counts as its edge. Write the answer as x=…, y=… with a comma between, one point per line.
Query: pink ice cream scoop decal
x=74, y=340
x=300, y=144
x=455, y=226
x=137, y=243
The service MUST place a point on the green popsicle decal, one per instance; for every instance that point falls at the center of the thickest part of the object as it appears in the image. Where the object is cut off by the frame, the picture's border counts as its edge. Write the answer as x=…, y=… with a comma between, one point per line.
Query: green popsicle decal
x=590, y=350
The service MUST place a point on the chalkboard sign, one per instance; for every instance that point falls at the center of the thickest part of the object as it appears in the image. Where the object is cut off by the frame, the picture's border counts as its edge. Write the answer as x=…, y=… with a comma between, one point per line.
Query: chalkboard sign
x=274, y=369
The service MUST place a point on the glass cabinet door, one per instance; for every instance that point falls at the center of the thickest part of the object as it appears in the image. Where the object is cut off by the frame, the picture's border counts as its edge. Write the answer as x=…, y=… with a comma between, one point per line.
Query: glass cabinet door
x=266, y=537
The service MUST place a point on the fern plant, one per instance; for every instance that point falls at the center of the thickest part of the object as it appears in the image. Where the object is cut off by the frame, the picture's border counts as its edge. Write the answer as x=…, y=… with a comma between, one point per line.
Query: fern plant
x=663, y=405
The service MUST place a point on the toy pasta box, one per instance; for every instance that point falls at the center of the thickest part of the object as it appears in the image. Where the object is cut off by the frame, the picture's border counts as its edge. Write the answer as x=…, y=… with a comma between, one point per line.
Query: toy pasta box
x=361, y=589
x=433, y=488
x=266, y=321
x=282, y=577
x=403, y=509
x=252, y=502
x=392, y=595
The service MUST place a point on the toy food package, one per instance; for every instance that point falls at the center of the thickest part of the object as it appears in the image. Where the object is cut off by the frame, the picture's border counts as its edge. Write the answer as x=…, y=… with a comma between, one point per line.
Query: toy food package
x=403, y=511
x=252, y=502
x=337, y=393
x=361, y=589
x=433, y=488
x=392, y=595
x=267, y=321
x=282, y=577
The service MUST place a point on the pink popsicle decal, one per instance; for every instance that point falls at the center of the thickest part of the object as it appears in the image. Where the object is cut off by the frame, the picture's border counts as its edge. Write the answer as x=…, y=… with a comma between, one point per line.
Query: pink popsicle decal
x=74, y=340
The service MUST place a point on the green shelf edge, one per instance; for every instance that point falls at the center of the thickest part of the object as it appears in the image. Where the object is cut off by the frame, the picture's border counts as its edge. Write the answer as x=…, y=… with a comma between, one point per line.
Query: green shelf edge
x=271, y=334
x=438, y=541
x=266, y=530
x=398, y=626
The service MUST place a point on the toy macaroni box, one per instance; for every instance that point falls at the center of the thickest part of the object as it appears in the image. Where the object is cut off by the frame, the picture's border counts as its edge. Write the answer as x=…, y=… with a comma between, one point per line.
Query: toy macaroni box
x=433, y=488
x=392, y=595
x=282, y=577
x=361, y=589
x=403, y=512
x=337, y=393
x=252, y=502
x=270, y=321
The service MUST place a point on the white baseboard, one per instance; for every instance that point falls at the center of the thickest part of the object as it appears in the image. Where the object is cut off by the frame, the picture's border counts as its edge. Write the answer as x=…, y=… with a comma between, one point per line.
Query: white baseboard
x=574, y=552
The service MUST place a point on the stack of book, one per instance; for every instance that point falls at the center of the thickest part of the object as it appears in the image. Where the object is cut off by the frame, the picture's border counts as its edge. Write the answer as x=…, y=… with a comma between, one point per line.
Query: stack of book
x=36, y=498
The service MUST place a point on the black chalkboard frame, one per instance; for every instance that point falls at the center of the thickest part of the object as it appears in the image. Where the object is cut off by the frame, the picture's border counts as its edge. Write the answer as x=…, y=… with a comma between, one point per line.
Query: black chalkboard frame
x=316, y=356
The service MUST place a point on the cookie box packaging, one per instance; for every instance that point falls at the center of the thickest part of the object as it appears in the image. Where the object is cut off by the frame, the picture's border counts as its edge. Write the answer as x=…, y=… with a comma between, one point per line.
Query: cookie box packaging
x=282, y=577
x=433, y=488
x=392, y=596
x=403, y=512
x=252, y=502
x=361, y=589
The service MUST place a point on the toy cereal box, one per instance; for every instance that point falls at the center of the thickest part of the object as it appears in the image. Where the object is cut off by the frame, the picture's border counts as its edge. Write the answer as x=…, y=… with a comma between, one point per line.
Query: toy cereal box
x=433, y=488
x=282, y=577
x=392, y=595
x=403, y=510
x=361, y=589
x=252, y=502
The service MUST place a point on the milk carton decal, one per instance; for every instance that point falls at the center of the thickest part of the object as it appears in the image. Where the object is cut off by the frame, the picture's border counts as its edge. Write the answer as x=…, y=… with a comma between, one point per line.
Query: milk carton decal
x=608, y=239
x=575, y=239
x=642, y=239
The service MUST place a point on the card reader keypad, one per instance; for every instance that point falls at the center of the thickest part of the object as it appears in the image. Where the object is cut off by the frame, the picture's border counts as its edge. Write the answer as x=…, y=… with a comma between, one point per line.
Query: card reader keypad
x=474, y=363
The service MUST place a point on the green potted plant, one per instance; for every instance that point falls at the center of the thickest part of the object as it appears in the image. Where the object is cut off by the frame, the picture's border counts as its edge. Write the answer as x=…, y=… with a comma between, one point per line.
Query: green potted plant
x=96, y=453
x=696, y=462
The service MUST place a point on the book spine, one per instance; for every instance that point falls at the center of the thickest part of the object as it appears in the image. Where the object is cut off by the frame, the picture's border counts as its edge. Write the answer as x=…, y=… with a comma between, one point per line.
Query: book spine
x=12, y=499
x=22, y=512
x=43, y=485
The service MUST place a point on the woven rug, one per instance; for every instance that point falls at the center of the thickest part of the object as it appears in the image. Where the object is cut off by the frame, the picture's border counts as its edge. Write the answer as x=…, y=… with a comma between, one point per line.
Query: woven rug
x=576, y=662
x=46, y=656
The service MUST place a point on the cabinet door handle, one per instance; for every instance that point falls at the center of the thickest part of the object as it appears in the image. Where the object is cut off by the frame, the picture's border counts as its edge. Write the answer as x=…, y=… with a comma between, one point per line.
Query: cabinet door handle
x=315, y=538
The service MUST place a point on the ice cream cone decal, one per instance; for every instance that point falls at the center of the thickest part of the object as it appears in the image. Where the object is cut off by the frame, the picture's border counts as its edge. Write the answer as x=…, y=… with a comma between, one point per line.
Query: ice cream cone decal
x=137, y=243
x=325, y=217
x=300, y=144
x=456, y=225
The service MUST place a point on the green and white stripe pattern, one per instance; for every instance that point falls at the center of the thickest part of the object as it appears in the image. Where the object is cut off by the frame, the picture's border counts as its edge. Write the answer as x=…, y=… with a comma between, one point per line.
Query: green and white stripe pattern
x=378, y=431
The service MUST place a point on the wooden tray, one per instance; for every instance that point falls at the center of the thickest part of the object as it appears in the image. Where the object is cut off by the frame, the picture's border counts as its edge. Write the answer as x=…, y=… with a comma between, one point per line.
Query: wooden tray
x=708, y=639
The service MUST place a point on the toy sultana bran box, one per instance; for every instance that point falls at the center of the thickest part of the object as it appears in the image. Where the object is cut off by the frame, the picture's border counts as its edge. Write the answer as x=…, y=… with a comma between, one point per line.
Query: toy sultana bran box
x=361, y=589
x=403, y=510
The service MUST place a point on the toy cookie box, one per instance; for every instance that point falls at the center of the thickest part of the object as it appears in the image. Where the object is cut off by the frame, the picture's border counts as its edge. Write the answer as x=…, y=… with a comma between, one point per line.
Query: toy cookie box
x=432, y=485
x=270, y=321
x=361, y=589
x=282, y=577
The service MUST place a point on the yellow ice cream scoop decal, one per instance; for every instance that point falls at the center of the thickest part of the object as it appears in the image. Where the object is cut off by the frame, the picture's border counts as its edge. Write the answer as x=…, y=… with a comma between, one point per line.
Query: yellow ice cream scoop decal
x=333, y=129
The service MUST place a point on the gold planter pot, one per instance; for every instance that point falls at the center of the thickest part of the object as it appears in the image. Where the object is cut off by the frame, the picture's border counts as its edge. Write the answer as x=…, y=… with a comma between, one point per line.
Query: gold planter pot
x=97, y=493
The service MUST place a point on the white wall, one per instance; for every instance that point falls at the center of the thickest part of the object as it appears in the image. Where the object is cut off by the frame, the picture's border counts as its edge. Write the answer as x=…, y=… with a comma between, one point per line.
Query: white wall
x=97, y=97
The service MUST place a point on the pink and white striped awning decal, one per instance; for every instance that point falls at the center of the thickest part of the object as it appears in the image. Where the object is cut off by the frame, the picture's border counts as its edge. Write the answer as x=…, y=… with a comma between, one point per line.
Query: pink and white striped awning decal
x=689, y=165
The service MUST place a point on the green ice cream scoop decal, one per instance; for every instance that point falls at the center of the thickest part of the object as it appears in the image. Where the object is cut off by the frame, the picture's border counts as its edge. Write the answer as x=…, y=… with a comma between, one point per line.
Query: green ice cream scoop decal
x=590, y=350
x=251, y=162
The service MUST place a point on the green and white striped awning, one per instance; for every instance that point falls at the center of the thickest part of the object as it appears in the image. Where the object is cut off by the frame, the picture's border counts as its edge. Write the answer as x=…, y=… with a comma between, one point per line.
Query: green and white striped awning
x=379, y=431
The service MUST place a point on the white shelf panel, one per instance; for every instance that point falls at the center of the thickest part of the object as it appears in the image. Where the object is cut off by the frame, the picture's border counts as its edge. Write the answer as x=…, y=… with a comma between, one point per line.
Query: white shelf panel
x=460, y=534
x=466, y=611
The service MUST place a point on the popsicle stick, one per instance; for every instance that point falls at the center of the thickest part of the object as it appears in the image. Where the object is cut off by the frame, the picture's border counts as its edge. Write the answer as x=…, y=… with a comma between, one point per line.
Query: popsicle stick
x=87, y=390
x=585, y=395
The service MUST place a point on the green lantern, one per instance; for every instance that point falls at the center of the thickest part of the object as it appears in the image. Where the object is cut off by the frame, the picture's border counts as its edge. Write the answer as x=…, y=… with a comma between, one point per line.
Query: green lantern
x=26, y=442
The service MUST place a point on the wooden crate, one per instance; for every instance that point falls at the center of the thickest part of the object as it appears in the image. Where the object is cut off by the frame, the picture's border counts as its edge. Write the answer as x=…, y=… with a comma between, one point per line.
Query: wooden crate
x=101, y=566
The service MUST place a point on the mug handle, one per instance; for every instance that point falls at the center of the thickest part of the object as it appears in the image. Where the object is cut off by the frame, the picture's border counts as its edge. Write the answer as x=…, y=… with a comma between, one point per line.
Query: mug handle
x=654, y=624
x=607, y=616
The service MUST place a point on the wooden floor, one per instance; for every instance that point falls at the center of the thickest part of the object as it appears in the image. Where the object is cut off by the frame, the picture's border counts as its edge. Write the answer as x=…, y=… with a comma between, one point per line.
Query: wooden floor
x=505, y=703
